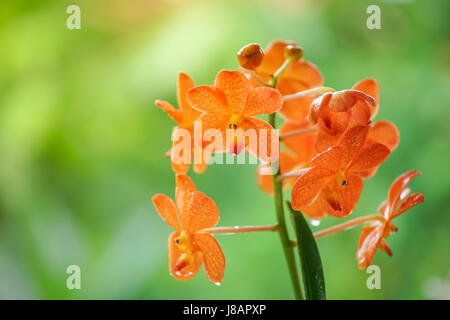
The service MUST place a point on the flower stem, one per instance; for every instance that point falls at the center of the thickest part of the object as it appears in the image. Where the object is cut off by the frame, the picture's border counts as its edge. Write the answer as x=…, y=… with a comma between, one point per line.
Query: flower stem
x=292, y=174
x=240, y=229
x=282, y=229
x=308, y=93
x=273, y=83
x=288, y=249
x=299, y=132
x=345, y=226
x=258, y=78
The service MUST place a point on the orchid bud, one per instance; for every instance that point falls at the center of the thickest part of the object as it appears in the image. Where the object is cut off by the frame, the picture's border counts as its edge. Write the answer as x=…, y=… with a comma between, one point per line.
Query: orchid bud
x=293, y=52
x=251, y=56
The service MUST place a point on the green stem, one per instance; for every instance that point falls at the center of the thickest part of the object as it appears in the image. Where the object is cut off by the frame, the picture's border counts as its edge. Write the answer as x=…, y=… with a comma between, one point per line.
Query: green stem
x=282, y=229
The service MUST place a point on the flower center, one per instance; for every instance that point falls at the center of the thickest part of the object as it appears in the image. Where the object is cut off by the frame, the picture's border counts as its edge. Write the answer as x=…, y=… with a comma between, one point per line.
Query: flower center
x=184, y=244
x=341, y=180
x=235, y=121
x=389, y=229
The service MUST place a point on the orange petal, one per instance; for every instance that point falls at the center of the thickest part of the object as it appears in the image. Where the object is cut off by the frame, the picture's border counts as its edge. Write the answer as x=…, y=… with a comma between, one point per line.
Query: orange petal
x=287, y=161
x=179, y=167
x=299, y=77
x=384, y=132
x=317, y=106
x=296, y=110
x=353, y=139
x=266, y=139
x=350, y=193
x=175, y=114
x=329, y=159
x=188, y=271
x=366, y=174
x=339, y=200
x=333, y=122
x=201, y=166
x=303, y=72
x=342, y=101
x=235, y=87
x=308, y=186
x=382, y=207
x=302, y=145
x=184, y=186
x=385, y=247
x=398, y=186
x=179, y=160
x=370, y=156
x=213, y=257
x=166, y=209
x=361, y=112
x=409, y=202
x=263, y=100
x=207, y=99
x=184, y=84
x=325, y=141
x=265, y=181
x=368, y=243
x=370, y=87
x=314, y=211
x=216, y=124
x=199, y=213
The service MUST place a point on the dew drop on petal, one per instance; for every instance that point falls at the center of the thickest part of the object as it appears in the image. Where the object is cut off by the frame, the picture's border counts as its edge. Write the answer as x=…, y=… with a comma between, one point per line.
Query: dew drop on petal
x=217, y=283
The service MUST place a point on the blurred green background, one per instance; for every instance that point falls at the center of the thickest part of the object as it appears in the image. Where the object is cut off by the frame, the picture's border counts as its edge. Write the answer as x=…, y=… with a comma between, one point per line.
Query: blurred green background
x=82, y=144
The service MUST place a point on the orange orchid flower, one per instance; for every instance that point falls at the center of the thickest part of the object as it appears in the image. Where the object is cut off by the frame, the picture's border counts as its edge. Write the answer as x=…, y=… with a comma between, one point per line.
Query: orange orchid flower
x=381, y=131
x=334, y=183
x=398, y=202
x=189, y=248
x=301, y=149
x=301, y=75
x=232, y=104
x=337, y=111
x=184, y=117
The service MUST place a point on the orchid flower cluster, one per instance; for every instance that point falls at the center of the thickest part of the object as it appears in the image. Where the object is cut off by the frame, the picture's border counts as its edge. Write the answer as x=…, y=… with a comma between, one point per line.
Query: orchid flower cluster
x=327, y=145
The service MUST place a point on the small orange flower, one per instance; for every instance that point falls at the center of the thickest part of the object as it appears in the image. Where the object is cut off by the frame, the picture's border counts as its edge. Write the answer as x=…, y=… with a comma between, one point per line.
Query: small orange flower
x=372, y=236
x=232, y=104
x=301, y=75
x=334, y=181
x=184, y=117
x=337, y=111
x=189, y=248
x=381, y=131
x=301, y=151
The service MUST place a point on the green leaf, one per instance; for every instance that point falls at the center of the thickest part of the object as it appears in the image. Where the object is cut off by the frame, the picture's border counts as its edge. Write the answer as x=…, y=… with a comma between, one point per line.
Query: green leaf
x=313, y=278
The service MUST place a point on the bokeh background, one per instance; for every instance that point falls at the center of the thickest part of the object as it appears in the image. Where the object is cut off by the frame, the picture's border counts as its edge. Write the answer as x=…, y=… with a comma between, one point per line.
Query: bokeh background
x=82, y=144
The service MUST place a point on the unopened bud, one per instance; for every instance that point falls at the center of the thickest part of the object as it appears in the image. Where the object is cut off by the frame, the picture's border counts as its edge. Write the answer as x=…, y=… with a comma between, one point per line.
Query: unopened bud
x=293, y=52
x=251, y=56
